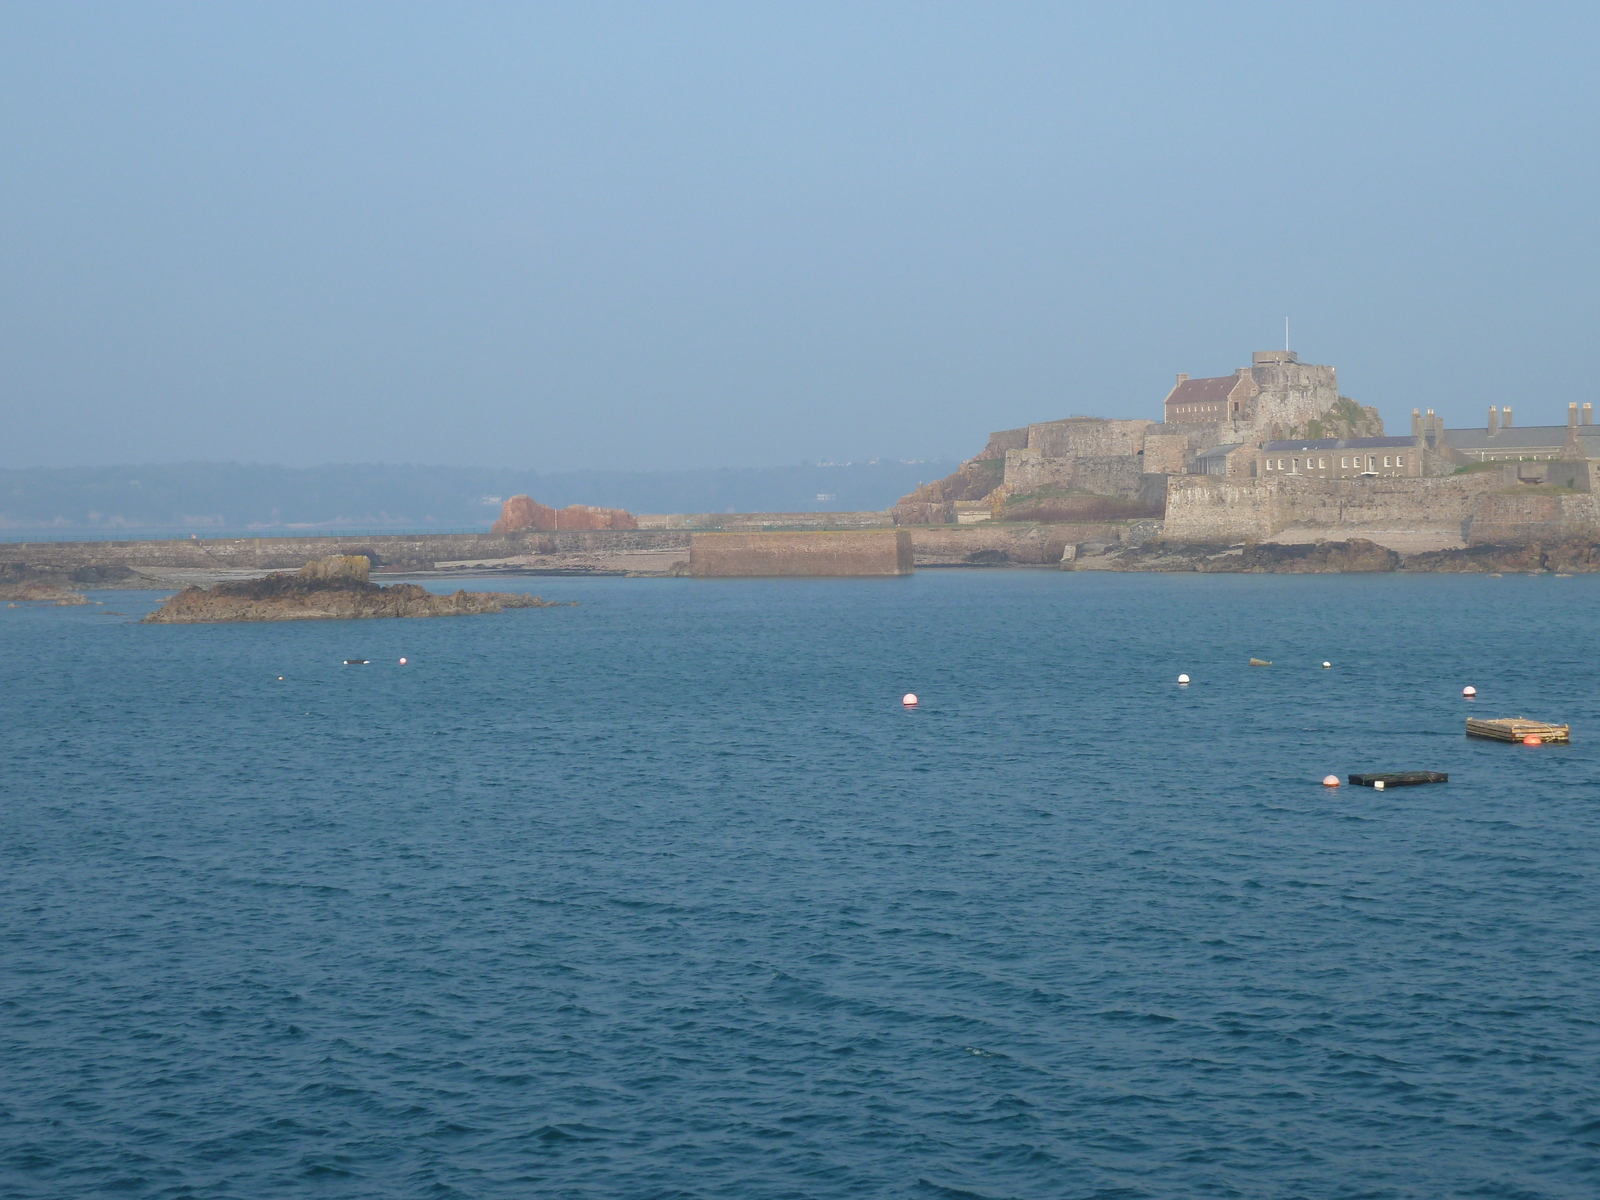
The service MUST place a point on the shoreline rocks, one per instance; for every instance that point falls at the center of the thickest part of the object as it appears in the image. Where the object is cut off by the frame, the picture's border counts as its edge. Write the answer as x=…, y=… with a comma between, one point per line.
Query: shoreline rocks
x=1355, y=556
x=336, y=588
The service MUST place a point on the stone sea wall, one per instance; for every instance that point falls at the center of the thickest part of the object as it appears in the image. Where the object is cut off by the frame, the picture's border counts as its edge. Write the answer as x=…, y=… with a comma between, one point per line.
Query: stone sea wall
x=1023, y=543
x=867, y=552
x=1510, y=519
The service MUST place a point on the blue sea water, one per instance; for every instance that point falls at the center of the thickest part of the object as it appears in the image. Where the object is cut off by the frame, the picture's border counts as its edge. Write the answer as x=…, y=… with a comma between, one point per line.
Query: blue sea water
x=665, y=895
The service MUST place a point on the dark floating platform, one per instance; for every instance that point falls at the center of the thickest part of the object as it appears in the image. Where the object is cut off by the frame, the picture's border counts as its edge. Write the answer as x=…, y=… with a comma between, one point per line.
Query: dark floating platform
x=1400, y=778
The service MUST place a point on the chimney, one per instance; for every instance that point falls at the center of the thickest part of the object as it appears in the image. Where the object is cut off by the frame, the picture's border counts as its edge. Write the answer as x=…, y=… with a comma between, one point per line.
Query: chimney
x=1505, y=417
x=1416, y=423
x=1182, y=377
x=1572, y=415
x=1494, y=421
x=1588, y=414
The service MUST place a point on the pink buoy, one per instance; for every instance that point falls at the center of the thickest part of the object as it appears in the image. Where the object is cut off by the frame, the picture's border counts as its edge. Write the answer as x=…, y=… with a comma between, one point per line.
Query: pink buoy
x=402, y=662
x=1330, y=781
x=909, y=700
x=1469, y=691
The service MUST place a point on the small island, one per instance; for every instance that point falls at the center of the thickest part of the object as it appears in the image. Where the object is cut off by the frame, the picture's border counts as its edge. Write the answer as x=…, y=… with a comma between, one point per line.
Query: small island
x=335, y=588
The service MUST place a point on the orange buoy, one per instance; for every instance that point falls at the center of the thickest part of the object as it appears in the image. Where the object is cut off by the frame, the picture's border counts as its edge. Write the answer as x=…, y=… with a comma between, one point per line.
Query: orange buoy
x=1530, y=740
x=1469, y=691
x=909, y=700
x=1330, y=781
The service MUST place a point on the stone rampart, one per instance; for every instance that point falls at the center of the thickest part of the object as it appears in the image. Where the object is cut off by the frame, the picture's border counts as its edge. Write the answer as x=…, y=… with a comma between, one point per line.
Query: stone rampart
x=864, y=552
x=1091, y=436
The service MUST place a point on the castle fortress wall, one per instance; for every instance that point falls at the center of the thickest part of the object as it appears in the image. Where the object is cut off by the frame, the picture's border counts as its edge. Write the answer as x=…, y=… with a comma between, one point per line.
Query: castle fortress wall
x=1211, y=509
x=1503, y=519
x=1093, y=455
x=1292, y=392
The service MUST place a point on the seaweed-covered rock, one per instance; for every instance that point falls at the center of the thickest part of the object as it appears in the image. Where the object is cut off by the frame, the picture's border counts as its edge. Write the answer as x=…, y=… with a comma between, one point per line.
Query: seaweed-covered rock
x=1265, y=558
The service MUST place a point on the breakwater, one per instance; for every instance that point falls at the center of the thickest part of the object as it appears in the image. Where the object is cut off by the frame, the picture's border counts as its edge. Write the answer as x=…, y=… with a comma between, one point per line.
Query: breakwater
x=403, y=551
x=1022, y=543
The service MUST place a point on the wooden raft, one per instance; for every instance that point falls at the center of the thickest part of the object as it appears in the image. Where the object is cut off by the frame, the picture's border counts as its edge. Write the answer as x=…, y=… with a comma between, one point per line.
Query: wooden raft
x=1514, y=729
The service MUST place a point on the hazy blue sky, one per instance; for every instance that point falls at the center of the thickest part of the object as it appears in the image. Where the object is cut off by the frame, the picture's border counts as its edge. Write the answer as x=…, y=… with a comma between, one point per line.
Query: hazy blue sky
x=667, y=235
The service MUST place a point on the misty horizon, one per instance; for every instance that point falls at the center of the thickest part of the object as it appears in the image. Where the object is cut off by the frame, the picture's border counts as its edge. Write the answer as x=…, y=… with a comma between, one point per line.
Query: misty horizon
x=644, y=237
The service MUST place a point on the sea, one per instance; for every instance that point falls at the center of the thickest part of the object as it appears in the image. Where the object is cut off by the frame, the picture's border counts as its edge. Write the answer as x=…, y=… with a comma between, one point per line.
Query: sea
x=666, y=894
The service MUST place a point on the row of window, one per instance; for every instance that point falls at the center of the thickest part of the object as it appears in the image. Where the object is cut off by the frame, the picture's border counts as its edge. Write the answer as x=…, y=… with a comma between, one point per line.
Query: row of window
x=1345, y=463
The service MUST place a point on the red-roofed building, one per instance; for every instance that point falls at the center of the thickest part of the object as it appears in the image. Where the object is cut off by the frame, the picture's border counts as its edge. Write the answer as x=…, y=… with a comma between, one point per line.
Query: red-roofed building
x=1207, y=401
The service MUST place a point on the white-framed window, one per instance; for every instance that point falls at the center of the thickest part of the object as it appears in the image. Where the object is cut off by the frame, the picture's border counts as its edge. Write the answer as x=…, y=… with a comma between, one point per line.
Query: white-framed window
x=1386, y=460
x=1280, y=464
x=1399, y=460
x=1344, y=463
x=1322, y=464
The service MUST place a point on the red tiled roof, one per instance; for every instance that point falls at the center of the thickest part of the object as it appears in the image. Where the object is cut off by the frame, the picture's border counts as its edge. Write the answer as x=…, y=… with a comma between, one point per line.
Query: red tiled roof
x=1203, y=391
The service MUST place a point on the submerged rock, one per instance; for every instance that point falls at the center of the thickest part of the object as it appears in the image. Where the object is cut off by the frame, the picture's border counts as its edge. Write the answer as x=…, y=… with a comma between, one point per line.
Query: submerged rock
x=335, y=588
x=40, y=593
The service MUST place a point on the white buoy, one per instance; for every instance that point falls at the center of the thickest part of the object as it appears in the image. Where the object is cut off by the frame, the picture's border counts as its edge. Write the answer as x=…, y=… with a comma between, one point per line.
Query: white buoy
x=909, y=700
x=1330, y=781
x=1469, y=691
x=402, y=662
x=1378, y=784
x=1183, y=679
x=1326, y=665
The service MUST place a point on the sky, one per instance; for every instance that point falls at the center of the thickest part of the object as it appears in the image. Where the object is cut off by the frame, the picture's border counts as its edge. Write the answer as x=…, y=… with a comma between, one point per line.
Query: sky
x=652, y=236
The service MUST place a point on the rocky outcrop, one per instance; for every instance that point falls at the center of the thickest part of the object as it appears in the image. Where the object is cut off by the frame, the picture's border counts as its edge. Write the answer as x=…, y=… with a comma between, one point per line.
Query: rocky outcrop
x=1321, y=558
x=1572, y=557
x=524, y=513
x=934, y=503
x=1345, y=419
x=334, y=588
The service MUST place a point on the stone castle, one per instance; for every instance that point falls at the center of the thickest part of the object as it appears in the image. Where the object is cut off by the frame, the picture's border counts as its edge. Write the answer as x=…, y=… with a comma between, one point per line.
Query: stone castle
x=1272, y=448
